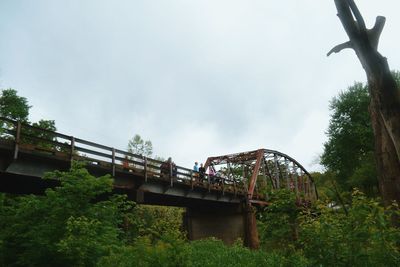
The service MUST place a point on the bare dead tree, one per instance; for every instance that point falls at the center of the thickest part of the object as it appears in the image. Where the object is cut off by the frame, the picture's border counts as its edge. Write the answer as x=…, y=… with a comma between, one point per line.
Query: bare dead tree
x=384, y=107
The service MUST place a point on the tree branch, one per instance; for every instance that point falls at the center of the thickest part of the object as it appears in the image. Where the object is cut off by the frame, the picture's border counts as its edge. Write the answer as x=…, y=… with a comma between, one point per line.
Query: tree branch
x=346, y=17
x=357, y=15
x=375, y=32
x=340, y=47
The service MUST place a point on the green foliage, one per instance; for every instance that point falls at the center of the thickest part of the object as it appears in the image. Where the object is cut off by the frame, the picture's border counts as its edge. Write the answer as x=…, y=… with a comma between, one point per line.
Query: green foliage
x=80, y=224
x=66, y=227
x=154, y=222
x=278, y=221
x=349, y=149
x=13, y=106
x=323, y=182
x=16, y=107
x=213, y=253
x=362, y=237
x=202, y=253
x=42, y=139
x=140, y=147
x=349, y=152
x=86, y=240
x=165, y=252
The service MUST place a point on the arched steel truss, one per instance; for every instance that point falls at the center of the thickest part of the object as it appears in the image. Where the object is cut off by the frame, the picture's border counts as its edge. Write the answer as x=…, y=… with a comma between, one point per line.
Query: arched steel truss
x=271, y=168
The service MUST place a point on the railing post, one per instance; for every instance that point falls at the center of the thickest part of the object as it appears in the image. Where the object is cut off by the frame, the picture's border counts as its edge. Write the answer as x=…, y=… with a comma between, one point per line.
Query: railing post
x=113, y=162
x=170, y=175
x=145, y=168
x=191, y=179
x=72, y=148
x=17, y=139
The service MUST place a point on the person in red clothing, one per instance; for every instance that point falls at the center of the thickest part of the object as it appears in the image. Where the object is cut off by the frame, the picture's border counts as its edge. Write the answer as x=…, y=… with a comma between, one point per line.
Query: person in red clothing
x=166, y=167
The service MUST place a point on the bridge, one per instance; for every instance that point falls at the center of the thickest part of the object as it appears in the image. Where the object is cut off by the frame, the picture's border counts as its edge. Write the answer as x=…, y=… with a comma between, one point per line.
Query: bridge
x=217, y=204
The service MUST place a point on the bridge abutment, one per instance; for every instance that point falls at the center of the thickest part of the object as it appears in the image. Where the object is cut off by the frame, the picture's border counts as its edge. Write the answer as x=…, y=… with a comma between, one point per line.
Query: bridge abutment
x=227, y=225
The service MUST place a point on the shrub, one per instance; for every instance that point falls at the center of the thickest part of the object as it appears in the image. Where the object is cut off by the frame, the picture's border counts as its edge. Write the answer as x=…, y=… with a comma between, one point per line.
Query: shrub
x=362, y=237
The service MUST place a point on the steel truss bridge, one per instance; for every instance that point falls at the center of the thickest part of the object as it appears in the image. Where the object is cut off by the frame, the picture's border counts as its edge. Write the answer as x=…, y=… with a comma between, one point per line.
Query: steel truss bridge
x=27, y=152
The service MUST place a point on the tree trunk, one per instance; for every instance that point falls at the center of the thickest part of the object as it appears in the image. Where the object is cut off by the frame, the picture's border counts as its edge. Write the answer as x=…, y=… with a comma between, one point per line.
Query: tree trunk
x=385, y=95
x=386, y=156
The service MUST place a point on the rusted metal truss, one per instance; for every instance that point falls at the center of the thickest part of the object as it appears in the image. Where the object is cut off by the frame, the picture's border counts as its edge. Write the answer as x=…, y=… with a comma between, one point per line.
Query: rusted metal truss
x=267, y=168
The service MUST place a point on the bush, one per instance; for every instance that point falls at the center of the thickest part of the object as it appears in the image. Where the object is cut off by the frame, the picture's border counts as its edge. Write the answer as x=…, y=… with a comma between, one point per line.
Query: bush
x=362, y=237
x=277, y=223
x=201, y=253
x=66, y=227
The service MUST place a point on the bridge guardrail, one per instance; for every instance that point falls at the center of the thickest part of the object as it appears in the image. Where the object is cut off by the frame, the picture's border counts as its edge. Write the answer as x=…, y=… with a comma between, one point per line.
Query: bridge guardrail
x=56, y=144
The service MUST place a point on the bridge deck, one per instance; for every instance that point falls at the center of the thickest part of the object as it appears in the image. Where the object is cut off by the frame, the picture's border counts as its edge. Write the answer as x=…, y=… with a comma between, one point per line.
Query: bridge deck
x=27, y=152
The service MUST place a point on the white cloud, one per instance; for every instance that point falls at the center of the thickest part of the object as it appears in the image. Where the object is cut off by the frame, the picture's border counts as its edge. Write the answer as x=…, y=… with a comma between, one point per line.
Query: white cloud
x=197, y=78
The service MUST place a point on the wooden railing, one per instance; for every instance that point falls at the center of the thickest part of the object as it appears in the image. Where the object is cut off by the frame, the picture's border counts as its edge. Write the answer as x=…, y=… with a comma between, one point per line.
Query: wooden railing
x=25, y=137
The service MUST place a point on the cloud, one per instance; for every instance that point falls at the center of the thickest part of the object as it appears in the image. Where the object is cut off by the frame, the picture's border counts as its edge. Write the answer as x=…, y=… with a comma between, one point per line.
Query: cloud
x=197, y=78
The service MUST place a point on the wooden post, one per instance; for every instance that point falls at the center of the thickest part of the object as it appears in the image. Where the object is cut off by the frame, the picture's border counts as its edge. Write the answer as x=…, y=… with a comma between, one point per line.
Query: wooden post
x=113, y=162
x=191, y=179
x=170, y=175
x=145, y=168
x=72, y=149
x=17, y=139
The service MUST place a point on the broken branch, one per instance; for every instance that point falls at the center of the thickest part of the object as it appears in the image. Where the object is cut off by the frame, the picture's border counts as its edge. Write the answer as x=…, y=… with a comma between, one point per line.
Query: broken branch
x=340, y=47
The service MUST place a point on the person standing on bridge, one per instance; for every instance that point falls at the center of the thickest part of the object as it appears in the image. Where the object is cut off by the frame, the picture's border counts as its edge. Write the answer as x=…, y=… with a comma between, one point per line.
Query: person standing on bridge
x=196, y=167
x=125, y=164
x=196, y=170
x=211, y=173
x=166, y=167
x=174, y=170
x=202, y=172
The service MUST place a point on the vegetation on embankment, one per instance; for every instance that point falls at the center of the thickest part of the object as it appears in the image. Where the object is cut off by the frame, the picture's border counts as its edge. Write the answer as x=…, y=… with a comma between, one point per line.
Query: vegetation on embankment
x=68, y=227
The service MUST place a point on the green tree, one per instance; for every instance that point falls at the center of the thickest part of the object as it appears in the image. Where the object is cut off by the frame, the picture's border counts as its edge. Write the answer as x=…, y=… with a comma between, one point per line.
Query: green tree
x=13, y=106
x=17, y=108
x=138, y=146
x=348, y=153
x=69, y=226
x=277, y=223
x=155, y=222
x=39, y=138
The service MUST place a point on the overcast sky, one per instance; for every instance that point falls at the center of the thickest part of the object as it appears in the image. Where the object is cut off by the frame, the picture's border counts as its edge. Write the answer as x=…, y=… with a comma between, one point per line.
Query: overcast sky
x=197, y=78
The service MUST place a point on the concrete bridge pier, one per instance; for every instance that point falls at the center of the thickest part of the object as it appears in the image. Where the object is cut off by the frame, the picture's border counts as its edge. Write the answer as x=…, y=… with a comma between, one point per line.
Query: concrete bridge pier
x=227, y=224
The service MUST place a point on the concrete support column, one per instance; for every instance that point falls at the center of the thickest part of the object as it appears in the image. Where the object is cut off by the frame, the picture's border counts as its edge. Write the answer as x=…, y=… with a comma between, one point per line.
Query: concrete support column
x=225, y=224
